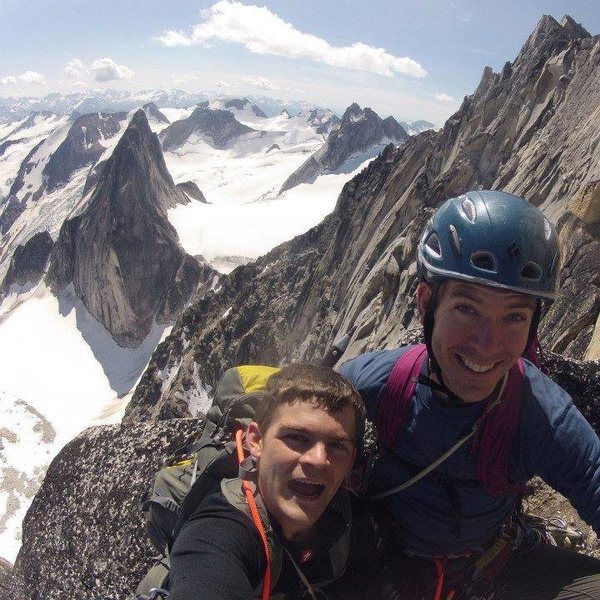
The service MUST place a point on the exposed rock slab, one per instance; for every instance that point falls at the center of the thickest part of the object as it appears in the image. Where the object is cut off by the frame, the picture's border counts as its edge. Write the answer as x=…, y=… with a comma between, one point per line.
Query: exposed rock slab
x=83, y=534
x=193, y=191
x=81, y=147
x=29, y=261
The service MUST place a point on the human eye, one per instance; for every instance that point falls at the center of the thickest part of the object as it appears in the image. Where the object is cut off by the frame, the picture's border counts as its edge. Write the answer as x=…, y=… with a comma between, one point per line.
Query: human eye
x=466, y=309
x=341, y=447
x=294, y=438
x=516, y=318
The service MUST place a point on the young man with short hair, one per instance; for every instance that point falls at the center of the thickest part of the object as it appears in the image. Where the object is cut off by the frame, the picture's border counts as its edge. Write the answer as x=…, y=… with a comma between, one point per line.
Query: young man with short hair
x=488, y=262
x=303, y=442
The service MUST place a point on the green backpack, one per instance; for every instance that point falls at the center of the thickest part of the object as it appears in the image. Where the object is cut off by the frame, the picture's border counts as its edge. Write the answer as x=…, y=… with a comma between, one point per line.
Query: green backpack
x=198, y=469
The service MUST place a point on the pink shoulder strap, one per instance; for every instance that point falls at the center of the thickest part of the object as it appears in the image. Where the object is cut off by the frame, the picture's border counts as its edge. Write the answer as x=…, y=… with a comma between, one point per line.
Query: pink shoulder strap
x=397, y=394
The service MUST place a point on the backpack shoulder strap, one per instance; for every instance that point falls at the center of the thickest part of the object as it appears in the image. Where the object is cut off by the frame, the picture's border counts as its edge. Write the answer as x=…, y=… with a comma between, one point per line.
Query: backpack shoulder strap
x=493, y=444
x=234, y=494
x=398, y=392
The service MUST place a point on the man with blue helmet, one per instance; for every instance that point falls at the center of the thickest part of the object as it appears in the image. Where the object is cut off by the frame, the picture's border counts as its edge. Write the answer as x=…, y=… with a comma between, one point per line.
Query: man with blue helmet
x=480, y=421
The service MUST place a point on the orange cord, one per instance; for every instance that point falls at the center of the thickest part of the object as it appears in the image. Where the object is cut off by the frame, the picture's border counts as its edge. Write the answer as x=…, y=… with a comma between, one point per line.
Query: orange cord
x=266, y=591
x=439, y=565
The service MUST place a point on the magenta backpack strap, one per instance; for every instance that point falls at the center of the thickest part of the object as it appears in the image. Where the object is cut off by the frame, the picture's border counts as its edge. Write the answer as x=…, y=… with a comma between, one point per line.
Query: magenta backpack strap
x=397, y=394
x=493, y=444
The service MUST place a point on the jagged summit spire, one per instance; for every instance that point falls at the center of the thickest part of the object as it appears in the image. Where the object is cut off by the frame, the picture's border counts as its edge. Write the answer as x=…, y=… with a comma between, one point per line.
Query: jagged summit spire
x=575, y=29
x=121, y=253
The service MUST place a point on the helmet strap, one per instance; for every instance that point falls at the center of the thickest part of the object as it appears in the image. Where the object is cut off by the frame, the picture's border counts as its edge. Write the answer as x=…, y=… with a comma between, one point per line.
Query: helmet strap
x=428, y=323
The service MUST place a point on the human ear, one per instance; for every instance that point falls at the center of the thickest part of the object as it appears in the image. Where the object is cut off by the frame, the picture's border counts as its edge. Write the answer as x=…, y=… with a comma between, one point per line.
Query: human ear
x=254, y=440
x=423, y=298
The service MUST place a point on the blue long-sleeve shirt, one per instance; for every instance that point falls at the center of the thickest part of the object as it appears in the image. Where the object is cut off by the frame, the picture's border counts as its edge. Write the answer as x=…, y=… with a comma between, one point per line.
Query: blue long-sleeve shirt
x=552, y=440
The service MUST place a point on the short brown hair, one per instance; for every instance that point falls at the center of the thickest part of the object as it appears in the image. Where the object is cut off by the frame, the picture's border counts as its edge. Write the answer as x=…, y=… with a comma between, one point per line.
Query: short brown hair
x=315, y=384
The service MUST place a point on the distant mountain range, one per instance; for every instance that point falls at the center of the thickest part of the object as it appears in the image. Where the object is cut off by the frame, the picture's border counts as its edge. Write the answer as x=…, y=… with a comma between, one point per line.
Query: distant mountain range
x=13, y=109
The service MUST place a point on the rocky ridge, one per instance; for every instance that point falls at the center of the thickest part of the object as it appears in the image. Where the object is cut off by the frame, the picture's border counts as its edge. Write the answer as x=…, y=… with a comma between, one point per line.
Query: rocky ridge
x=360, y=130
x=82, y=146
x=362, y=272
x=192, y=190
x=243, y=103
x=121, y=253
x=217, y=127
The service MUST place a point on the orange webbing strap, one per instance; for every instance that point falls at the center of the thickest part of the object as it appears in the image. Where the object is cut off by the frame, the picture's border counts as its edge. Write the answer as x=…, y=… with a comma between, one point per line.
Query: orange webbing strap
x=266, y=591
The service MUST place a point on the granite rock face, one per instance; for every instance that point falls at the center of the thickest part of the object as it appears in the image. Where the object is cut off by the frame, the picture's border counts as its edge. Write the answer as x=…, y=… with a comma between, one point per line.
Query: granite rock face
x=219, y=128
x=84, y=535
x=29, y=261
x=121, y=253
x=359, y=131
x=5, y=576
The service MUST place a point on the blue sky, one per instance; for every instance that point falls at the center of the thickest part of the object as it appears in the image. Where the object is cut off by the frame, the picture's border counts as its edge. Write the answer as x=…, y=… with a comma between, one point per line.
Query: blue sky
x=410, y=58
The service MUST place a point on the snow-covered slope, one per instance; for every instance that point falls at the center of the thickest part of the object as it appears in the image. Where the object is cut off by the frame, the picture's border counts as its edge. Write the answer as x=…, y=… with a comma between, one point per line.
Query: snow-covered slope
x=61, y=372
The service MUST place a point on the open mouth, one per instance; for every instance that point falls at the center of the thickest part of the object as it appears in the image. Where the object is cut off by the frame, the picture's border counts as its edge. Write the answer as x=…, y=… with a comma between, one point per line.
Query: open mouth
x=306, y=489
x=476, y=367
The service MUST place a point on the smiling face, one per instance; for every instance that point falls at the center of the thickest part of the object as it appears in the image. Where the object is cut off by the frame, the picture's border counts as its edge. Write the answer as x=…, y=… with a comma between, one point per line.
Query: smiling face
x=478, y=335
x=302, y=460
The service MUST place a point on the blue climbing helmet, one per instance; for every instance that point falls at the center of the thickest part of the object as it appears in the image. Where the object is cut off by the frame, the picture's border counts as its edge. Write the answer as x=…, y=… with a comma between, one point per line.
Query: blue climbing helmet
x=493, y=239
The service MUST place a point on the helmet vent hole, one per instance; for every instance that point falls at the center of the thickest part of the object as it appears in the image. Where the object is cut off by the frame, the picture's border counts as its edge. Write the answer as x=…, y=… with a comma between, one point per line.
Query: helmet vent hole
x=485, y=261
x=433, y=246
x=531, y=271
x=468, y=209
x=455, y=239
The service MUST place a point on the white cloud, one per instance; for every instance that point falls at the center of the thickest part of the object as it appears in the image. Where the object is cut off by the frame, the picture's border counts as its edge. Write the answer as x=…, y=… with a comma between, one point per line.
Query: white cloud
x=106, y=69
x=222, y=84
x=32, y=77
x=260, y=82
x=183, y=79
x=8, y=80
x=75, y=68
x=443, y=97
x=263, y=32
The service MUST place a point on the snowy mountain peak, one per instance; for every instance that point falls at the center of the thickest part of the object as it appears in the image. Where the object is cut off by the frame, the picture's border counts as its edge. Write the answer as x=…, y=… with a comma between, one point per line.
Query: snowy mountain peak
x=121, y=253
x=245, y=104
x=217, y=127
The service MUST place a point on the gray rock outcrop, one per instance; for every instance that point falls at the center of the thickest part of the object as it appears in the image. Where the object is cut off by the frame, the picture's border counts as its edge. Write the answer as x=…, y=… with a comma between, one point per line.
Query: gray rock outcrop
x=5, y=576
x=28, y=262
x=242, y=103
x=219, y=128
x=82, y=146
x=154, y=114
x=121, y=253
x=193, y=191
x=360, y=130
x=10, y=212
x=91, y=542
